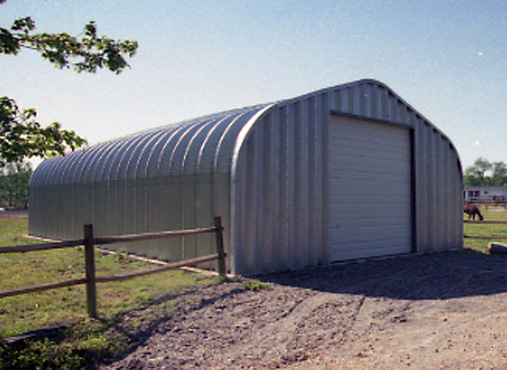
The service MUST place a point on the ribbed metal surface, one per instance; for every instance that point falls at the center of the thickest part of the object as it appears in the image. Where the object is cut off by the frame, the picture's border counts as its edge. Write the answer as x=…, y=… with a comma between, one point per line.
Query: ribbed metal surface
x=163, y=179
x=281, y=178
x=264, y=169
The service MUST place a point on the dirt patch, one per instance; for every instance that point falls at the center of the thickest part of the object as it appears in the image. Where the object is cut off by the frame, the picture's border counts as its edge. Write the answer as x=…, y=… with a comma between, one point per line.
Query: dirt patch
x=444, y=310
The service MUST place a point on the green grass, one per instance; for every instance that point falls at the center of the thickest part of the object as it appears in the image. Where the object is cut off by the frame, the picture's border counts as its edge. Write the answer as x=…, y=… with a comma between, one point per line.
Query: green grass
x=490, y=214
x=88, y=340
x=255, y=285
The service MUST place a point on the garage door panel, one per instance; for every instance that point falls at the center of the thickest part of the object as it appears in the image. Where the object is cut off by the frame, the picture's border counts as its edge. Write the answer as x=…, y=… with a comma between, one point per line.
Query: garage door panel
x=386, y=167
x=356, y=149
x=357, y=133
x=367, y=222
x=381, y=188
x=370, y=189
x=389, y=204
x=351, y=148
x=366, y=175
x=369, y=249
x=366, y=233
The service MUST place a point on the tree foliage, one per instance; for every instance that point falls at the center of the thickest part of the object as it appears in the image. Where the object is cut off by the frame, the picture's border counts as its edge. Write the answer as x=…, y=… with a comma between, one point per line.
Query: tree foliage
x=85, y=54
x=21, y=136
x=485, y=173
x=14, y=179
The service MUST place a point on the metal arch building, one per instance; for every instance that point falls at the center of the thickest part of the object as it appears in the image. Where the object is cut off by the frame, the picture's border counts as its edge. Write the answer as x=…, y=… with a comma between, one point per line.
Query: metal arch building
x=347, y=172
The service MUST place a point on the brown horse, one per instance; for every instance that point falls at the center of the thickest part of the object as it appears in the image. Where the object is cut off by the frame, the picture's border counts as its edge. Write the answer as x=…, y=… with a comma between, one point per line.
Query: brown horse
x=471, y=210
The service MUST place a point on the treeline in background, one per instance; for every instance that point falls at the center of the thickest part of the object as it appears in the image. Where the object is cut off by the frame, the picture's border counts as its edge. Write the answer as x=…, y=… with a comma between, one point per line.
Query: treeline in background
x=485, y=173
x=14, y=179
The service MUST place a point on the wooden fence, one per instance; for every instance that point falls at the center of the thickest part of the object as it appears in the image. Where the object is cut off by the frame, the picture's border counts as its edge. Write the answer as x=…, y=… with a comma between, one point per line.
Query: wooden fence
x=90, y=241
x=487, y=237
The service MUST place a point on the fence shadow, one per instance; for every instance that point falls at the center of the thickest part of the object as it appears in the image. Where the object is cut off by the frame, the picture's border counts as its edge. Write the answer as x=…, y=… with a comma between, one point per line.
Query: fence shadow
x=433, y=276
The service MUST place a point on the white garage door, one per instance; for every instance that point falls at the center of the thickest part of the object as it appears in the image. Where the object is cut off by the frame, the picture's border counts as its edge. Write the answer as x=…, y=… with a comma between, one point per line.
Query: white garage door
x=370, y=189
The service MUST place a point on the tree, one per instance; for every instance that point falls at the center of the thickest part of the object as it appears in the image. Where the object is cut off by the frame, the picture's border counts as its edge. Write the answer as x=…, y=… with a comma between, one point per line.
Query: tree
x=14, y=179
x=499, y=175
x=484, y=173
x=21, y=136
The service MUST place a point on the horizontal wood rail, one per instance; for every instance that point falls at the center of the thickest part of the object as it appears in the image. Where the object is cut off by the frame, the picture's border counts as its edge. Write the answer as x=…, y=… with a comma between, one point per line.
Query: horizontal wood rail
x=41, y=247
x=169, y=266
x=89, y=243
x=151, y=236
x=486, y=222
x=40, y=287
x=488, y=237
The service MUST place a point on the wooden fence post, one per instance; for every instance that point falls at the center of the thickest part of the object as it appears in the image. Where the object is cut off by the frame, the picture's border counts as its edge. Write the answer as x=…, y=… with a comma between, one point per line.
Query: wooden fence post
x=91, y=292
x=220, y=246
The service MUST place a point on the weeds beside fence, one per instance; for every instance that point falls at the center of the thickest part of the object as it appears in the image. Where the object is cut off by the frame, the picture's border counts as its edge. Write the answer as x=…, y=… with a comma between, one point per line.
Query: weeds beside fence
x=89, y=242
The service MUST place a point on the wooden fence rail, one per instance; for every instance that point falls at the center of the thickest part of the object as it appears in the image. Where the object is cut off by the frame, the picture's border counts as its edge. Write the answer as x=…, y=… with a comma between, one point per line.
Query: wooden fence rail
x=486, y=222
x=486, y=237
x=89, y=241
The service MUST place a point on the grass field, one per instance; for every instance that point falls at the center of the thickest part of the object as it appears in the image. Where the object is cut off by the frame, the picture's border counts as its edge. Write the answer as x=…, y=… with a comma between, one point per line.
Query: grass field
x=490, y=214
x=87, y=339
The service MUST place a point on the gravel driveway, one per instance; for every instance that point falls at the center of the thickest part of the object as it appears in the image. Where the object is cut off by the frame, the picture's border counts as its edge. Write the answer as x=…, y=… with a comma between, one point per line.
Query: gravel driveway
x=436, y=311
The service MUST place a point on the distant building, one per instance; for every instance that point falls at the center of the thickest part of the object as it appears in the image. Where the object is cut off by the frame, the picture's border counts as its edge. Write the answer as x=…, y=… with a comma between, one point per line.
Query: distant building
x=485, y=193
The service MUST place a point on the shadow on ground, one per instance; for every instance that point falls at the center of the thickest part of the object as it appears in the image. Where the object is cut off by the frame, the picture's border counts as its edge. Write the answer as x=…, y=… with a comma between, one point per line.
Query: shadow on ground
x=416, y=277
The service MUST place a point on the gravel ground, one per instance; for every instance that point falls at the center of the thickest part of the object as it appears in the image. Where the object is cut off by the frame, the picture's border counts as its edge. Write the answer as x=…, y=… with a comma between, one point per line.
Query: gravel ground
x=436, y=311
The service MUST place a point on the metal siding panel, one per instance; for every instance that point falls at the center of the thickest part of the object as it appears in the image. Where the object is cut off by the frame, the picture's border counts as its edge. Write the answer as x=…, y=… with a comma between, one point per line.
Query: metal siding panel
x=188, y=195
x=448, y=201
x=375, y=97
x=152, y=199
x=140, y=214
x=264, y=196
x=100, y=216
x=439, y=194
x=171, y=217
x=421, y=204
x=337, y=100
x=225, y=148
x=248, y=253
x=237, y=205
x=311, y=240
x=429, y=191
x=192, y=156
x=297, y=204
x=283, y=204
x=177, y=160
x=274, y=187
x=359, y=102
x=432, y=172
x=324, y=159
x=303, y=175
x=292, y=256
x=204, y=215
x=222, y=207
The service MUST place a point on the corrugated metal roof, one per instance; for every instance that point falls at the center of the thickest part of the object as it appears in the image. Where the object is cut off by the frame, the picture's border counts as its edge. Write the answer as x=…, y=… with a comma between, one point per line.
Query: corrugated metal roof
x=205, y=144
x=200, y=145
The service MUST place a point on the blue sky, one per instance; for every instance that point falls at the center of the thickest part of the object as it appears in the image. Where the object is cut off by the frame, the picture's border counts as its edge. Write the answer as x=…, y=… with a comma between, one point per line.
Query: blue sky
x=445, y=58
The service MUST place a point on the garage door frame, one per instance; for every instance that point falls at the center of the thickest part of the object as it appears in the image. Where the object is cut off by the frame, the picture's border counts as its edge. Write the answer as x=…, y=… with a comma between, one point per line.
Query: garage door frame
x=412, y=149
